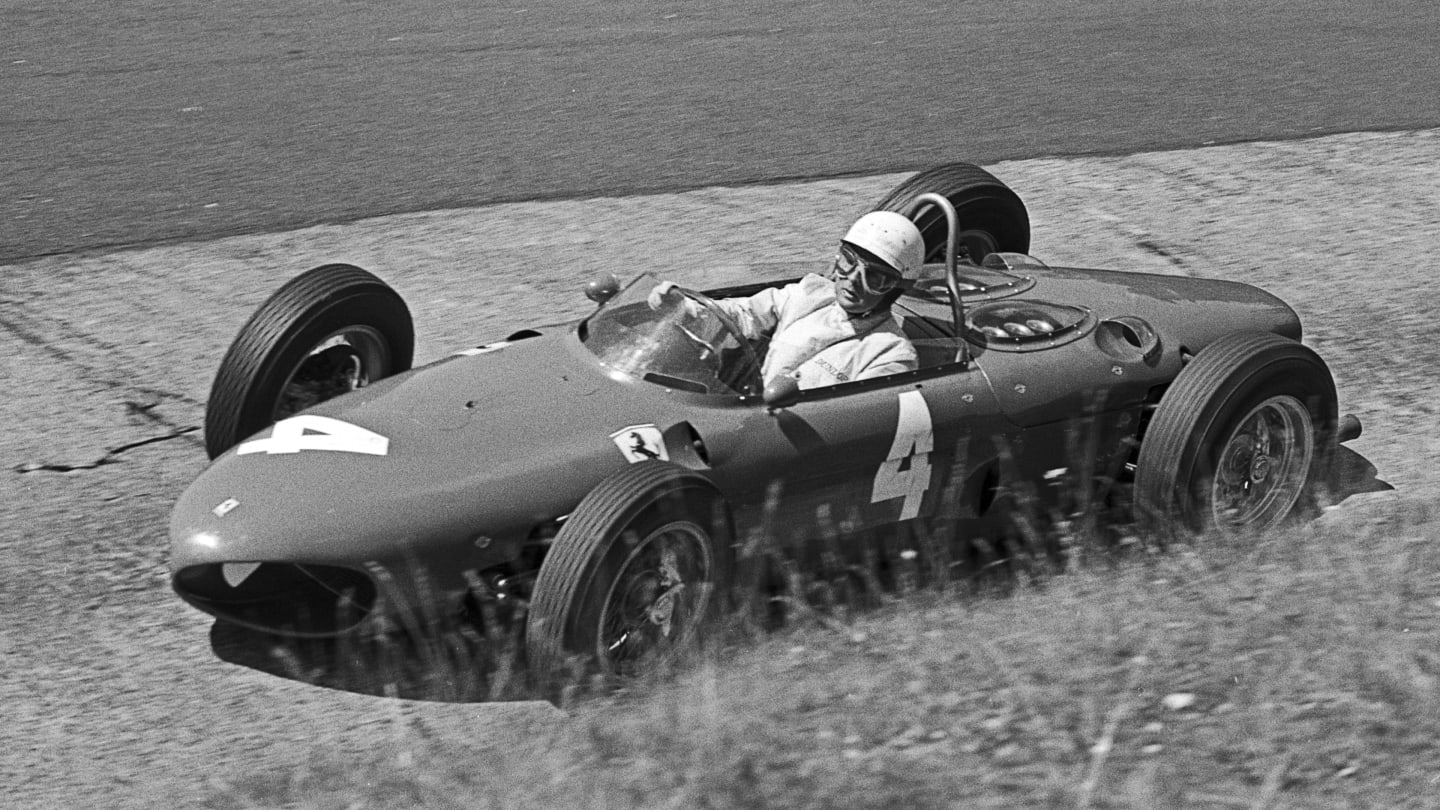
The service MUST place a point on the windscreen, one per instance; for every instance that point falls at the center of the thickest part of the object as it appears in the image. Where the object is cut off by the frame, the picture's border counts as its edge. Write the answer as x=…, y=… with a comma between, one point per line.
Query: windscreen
x=681, y=343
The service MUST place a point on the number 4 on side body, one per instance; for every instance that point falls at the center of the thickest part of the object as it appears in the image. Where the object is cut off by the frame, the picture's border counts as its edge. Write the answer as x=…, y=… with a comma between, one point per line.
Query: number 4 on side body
x=914, y=439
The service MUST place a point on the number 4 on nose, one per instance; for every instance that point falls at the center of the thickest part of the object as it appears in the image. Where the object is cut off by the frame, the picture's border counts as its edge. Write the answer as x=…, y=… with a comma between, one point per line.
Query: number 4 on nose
x=310, y=432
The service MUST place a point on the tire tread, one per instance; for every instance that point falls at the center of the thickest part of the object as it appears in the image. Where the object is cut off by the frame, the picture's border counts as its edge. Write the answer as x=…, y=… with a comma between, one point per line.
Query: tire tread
x=266, y=329
x=1184, y=413
x=965, y=184
x=614, y=502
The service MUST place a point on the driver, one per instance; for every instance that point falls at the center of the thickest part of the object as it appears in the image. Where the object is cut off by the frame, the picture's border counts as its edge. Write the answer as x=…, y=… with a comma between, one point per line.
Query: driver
x=824, y=331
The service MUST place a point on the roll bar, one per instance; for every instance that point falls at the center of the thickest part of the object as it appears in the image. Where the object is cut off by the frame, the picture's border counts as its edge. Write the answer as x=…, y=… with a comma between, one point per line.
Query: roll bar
x=952, y=276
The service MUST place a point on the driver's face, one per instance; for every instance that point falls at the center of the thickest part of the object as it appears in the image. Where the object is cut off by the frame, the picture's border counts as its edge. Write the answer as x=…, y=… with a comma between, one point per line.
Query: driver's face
x=851, y=292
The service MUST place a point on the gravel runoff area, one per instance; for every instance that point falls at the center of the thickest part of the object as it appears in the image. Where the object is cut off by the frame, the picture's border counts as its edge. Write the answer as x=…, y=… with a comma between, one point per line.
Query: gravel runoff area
x=110, y=687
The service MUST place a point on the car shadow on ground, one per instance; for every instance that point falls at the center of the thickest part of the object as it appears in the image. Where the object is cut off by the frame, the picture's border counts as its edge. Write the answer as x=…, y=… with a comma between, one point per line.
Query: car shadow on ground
x=1353, y=474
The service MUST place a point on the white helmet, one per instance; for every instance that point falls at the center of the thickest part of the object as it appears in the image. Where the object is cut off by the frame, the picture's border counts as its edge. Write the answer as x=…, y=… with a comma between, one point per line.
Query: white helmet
x=892, y=237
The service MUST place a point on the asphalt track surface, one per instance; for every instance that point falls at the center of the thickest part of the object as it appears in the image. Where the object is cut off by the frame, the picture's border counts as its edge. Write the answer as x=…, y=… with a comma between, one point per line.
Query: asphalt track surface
x=111, y=687
x=127, y=123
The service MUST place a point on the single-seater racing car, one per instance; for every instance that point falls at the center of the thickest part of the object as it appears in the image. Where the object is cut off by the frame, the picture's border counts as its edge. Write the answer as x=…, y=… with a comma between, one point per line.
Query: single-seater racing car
x=607, y=473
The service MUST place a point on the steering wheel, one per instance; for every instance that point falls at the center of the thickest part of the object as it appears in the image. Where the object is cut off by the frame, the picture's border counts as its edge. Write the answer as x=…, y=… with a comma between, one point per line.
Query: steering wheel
x=709, y=348
x=729, y=323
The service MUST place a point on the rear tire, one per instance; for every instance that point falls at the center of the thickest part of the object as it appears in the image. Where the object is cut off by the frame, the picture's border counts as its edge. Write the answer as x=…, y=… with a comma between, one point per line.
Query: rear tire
x=327, y=330
x=1241, y=439
x=992, y=218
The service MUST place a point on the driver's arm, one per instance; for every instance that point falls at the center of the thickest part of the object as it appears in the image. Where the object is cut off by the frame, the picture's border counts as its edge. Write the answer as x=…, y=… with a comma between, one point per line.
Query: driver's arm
x=756, y=315
x=664, y=293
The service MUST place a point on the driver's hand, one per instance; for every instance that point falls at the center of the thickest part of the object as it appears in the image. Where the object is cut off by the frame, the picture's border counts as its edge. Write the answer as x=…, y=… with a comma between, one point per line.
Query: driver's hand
x=657, y=296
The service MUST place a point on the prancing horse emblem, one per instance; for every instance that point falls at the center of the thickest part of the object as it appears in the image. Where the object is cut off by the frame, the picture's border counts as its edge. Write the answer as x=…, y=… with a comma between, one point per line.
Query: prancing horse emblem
x=640, y=443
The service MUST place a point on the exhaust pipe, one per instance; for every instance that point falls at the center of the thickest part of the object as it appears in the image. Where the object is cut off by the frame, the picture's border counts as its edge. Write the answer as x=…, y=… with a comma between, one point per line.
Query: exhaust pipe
x=1349, y=428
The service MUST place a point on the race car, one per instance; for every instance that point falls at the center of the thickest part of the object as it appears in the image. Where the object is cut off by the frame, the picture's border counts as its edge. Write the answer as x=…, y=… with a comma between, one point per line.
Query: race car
x=610, y=474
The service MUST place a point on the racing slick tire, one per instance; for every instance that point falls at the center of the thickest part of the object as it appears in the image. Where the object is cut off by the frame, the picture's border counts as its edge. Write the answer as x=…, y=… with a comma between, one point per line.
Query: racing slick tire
x=632, y=580
x=992, y=218
x=1240, y=441
x=326, y=331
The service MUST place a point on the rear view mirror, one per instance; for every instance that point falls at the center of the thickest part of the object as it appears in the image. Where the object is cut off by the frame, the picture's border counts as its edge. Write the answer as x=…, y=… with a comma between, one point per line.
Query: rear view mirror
x=781, y=392
x=602, y=288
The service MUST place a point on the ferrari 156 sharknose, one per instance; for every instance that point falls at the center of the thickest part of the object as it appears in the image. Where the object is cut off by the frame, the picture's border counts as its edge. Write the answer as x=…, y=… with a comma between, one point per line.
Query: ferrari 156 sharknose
x=606, y=473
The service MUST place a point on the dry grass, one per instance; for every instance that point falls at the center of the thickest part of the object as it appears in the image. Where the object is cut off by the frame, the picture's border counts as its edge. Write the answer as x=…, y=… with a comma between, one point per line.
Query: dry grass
x=1299, y=670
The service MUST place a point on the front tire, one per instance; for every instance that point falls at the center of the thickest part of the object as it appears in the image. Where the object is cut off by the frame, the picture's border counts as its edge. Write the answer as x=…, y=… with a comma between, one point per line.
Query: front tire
x=326, y=331
x=633, y=579
x=1240, y=440
x=992, y=217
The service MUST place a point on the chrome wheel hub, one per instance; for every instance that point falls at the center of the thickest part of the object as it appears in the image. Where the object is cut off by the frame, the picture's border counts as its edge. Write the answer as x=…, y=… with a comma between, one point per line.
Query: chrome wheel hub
x=1263, y=467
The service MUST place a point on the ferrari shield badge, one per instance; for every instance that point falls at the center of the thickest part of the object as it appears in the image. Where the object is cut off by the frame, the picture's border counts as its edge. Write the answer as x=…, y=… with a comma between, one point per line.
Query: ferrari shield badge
x=640, y=443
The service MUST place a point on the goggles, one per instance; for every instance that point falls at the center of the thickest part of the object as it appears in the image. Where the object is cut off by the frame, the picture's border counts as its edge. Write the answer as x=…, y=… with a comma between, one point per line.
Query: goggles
x=876, y=278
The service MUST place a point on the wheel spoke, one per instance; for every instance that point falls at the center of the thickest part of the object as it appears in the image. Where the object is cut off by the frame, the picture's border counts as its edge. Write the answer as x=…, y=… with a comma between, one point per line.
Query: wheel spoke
x=653, y=602
x=1262, y=435
x=619, y=642
x=1262, y=470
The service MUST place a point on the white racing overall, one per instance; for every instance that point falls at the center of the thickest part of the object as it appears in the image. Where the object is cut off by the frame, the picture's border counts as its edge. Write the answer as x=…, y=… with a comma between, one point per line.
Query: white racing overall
x=815, y=340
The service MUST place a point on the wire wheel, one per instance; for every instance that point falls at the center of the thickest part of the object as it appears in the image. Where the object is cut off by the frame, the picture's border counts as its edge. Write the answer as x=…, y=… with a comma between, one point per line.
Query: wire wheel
x=657, y=599
x=343, y=361
x=1240, y=441
x=328, y=331
x=634, y=579
x=1263, y=467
